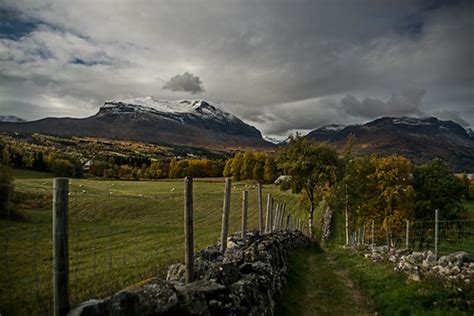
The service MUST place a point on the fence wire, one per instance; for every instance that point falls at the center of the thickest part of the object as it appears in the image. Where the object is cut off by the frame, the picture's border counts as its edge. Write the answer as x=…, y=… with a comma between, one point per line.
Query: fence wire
x=453, y=235
x=120, y=233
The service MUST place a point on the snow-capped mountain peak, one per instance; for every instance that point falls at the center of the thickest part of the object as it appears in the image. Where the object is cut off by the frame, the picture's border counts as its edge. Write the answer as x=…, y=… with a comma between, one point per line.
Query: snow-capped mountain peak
x=171, y=109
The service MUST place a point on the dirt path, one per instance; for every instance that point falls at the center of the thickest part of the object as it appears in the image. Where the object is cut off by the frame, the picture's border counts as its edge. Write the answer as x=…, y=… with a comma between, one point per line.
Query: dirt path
x=317, y=286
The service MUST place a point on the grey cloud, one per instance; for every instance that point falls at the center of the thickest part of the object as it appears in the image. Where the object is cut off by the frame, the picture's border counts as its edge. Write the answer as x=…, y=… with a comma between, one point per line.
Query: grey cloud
x=453, y=116
x=186, y=82
x=276, y=60
x=404, y=103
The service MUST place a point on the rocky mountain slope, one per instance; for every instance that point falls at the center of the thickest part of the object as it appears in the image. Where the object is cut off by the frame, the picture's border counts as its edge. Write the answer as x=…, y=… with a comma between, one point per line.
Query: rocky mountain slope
x=420, y=139
x=194, y=123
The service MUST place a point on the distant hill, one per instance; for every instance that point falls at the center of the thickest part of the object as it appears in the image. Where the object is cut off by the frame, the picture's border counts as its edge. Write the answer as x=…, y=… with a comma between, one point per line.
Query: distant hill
x=194, y=123
x=420, y=139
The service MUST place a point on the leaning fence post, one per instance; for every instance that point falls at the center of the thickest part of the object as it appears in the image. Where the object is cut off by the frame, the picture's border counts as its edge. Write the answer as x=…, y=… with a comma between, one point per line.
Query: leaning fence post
x=188, y=229
x=225, y=214
x=373, y=234
x=260, y=209
x=275, y=218
x=280, y=223
x=245, y=204
x=436, y=235
x=60, y=247
x=407, y=241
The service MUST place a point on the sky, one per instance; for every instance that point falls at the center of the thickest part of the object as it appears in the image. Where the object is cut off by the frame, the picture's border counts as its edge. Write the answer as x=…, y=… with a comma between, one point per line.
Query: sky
x=280, y=65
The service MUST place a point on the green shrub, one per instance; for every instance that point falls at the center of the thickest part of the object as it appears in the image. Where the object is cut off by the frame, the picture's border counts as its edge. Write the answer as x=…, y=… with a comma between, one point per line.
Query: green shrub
x=6, y=191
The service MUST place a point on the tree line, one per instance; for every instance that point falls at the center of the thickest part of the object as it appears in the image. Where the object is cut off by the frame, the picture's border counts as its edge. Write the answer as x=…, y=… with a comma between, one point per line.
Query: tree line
x=257, y=166
x=387, y=190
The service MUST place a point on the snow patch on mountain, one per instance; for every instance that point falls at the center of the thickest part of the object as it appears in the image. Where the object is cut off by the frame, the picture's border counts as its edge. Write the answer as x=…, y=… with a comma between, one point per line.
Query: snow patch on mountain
x=413, y=121
x=332, y=127
x=276, y=140
x=11, y=119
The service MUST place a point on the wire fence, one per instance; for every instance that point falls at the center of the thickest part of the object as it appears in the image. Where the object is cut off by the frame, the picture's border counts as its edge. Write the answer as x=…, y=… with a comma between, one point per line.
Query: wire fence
x=440, y=236
x=120, y=234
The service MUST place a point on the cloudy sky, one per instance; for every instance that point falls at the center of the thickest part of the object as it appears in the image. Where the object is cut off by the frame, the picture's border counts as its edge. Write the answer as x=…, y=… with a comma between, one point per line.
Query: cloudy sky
x=281, y=65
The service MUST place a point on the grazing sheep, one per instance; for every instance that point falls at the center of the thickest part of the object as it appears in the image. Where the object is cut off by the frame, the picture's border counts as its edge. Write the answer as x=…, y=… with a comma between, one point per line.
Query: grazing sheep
x=173, y=189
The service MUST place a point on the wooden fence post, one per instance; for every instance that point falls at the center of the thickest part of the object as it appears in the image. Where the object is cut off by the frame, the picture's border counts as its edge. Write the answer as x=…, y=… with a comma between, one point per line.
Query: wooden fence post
x=225, y=214
x=288, y=221
x=268, y=223
x=245, y=205
x=60, y=247
x=188, y=229
x=260, y=209
x=436, y=235
x=373, y=234
x=347, y=220
x=407, y=239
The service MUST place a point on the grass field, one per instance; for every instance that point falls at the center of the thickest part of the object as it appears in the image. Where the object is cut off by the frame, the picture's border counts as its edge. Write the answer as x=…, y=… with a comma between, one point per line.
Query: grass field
x=120, y=232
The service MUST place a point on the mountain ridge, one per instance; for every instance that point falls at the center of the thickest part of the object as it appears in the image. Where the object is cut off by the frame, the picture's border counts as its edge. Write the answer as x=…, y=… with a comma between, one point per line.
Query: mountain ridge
x=420, y=139
x=201, y=125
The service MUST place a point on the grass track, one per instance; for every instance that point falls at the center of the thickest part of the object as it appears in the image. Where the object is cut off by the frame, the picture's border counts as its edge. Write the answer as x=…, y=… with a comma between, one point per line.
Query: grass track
x=341, y=282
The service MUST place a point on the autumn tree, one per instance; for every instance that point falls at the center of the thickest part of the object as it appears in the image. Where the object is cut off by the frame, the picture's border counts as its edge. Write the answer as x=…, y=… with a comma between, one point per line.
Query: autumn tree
x=352, y=192
x=270, y=170
x=259, y=167
x=313, y=168
x=228, y=168
x=247, y=166
x=392, y=195
x=236, y=166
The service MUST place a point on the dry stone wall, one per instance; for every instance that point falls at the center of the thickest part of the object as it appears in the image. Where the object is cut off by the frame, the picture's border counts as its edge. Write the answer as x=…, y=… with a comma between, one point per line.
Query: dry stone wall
x=455, y=266
x=244, y=281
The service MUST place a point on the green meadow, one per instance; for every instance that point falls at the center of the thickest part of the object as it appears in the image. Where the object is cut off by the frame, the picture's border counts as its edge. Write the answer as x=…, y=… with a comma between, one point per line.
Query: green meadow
x=120, y=234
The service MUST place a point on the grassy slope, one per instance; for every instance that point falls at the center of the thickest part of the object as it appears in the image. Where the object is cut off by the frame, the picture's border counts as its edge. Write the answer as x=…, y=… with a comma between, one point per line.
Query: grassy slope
x=121, y=232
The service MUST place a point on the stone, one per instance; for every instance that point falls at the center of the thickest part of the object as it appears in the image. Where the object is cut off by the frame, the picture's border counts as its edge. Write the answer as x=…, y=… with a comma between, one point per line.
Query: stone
x=210, y=254
x=156, y=298
x=455, y=270
x=176, y=272
x=415, y=277
x=89, y=308
x=123, y=303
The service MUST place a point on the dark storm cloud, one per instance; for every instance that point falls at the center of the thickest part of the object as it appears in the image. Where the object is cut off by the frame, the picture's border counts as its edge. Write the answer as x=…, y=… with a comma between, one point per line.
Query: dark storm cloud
x=282, y=65
x=186, y=82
